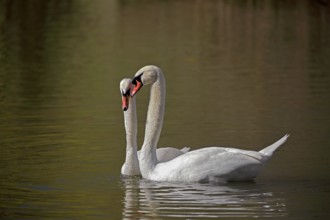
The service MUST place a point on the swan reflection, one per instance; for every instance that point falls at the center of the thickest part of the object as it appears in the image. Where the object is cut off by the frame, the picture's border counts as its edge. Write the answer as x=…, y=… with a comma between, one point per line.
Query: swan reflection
x=149, y=199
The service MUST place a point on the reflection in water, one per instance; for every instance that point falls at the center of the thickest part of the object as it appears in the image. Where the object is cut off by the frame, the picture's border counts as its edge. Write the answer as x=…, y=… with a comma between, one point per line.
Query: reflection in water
x=147, y=199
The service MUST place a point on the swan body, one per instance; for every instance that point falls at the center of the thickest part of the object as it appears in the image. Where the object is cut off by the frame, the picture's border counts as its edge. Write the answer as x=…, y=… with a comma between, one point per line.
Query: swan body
x=131, y=165
x=218, y=164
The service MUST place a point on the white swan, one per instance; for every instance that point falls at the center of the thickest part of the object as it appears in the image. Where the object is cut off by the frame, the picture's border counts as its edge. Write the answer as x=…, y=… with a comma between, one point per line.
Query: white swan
x=206, y=164
x=131, y=165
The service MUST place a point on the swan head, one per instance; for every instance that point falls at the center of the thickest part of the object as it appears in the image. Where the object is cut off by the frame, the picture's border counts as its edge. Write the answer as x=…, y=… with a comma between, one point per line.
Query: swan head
x=125, y=87
x=146, y=75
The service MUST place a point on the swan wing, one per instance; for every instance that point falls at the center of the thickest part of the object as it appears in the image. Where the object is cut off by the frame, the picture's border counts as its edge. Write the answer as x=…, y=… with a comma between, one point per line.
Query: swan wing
x=165, y=154
x=185, y=149
x=223, y=164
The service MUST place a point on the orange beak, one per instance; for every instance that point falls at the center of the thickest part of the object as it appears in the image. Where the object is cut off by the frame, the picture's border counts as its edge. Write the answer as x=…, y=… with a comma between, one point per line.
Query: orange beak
x=124, y=102
x=137, y=87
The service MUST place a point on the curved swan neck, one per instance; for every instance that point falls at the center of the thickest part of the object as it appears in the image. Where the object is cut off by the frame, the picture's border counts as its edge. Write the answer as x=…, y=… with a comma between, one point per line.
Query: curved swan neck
x=130, y=119
x=154, y=120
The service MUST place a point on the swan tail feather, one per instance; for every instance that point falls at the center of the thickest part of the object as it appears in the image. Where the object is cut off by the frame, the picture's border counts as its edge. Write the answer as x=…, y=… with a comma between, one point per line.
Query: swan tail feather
x=185, y=149
x=270, y=149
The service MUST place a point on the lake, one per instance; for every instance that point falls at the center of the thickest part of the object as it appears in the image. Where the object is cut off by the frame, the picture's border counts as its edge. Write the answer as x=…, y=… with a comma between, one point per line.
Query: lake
x=238, y=73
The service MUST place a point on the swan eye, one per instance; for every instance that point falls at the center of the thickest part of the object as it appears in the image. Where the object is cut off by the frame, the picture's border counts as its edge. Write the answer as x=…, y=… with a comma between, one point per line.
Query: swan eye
x=137, y=78
x=127, y=93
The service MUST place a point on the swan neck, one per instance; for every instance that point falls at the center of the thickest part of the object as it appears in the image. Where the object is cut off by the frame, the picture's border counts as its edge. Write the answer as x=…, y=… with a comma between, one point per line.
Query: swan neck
x=154, y=122
x=155, y=112
x=130, y=120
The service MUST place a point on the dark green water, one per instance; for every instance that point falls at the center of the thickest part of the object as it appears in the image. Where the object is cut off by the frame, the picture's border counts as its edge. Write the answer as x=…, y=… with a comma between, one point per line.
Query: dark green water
x=239, y=74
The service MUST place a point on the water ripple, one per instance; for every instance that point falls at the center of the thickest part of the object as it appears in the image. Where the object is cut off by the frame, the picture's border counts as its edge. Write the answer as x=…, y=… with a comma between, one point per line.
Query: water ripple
x=148, y=199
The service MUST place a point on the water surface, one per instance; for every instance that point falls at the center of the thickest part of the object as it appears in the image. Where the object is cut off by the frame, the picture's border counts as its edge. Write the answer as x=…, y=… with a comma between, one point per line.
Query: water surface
x=239, y=74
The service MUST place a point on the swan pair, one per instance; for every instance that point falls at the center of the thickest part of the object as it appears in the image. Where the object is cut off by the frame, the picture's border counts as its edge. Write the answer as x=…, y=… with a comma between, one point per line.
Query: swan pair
x=217, y=164
x=131, y=166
